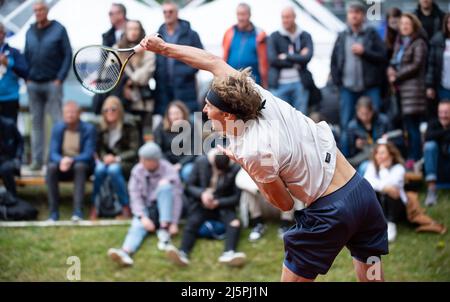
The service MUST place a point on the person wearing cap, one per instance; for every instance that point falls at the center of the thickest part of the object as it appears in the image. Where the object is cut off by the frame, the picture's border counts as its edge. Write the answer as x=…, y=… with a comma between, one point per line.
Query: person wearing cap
x=358, y=63
x=156, y=202
x=288, y=155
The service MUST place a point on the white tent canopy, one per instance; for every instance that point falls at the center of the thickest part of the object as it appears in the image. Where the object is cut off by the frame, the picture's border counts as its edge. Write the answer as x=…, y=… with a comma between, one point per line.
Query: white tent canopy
x=86, y=20
x=322, y=14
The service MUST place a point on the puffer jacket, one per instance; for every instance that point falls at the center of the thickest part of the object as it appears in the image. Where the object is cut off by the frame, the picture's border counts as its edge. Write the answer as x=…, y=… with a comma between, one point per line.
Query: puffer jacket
x=411, y=75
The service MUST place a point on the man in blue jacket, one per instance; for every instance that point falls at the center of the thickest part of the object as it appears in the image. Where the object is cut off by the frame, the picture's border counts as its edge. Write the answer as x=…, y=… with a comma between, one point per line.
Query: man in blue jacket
x=71, y=156
x=174, y=79
x=11, y=151
x=49, y=56
x=12, y=66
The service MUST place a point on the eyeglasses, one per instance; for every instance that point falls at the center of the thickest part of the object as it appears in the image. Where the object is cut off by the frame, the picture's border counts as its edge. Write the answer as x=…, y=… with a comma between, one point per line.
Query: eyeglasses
x=168, y=12
x=113, y=13
x=111, y=109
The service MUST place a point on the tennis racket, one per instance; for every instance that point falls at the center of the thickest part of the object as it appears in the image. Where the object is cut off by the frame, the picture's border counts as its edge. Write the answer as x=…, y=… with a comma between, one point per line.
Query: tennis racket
x=99, y=68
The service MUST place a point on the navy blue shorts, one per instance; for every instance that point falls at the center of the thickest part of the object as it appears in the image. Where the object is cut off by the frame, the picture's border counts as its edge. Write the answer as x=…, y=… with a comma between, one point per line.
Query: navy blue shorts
x=352, y=217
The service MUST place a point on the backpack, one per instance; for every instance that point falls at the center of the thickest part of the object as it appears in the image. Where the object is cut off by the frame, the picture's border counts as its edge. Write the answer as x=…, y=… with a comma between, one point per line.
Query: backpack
x=107, y=202
x=212, y=229
x=13, y=208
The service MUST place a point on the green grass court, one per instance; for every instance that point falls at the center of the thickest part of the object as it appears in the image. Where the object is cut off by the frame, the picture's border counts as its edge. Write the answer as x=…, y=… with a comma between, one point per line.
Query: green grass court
x=40, y=254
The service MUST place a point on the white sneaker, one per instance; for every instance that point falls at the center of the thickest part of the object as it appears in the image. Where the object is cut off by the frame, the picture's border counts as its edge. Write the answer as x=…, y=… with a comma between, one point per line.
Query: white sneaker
x=76, y=218
x=163, y=239
x=120, y=256
x=392, y=231
x=176, y=256
x=233, y=258
x=257, y=232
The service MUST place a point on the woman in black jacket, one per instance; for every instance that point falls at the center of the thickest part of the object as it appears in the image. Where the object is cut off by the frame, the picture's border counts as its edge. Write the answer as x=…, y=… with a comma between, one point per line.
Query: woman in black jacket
x=212, y=194
x=438, y=73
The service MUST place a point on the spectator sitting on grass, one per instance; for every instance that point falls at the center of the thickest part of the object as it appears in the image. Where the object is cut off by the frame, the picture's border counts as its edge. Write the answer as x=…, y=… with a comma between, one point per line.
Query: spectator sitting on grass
x=155, y=192
x=386, y=174
x=251, y=196
x=437, y=151
x=363, y=131
x=117, y=142
x=212, y=194
x=71, y=156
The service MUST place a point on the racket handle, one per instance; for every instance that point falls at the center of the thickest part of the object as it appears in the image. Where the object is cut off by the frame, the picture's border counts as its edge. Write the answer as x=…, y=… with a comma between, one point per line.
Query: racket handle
x=138, y=48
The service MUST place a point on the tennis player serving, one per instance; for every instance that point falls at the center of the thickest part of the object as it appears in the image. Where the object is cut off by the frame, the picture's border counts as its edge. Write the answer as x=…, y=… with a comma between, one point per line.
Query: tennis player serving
x=341, y=207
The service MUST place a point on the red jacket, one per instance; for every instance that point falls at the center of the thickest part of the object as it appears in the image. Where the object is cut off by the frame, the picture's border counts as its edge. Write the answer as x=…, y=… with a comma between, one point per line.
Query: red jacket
x=261, y=49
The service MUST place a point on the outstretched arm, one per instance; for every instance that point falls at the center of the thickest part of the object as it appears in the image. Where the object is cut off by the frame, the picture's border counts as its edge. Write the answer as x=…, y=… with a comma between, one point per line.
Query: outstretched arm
x=195, y=57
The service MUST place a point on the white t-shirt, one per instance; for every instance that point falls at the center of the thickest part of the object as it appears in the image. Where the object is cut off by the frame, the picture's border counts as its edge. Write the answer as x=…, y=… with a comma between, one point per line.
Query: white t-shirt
x=394, y=176
x=283, y=142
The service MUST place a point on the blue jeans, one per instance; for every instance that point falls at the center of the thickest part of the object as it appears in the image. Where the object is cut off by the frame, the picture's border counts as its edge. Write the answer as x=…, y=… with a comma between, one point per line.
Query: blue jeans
x=412, y=125
x=137, y=233
x=294, y=94
x=186, y=171
x=114, y=171
x=348, y=101
x=437, y=164
x=43, y=98
x=431, y=156
x=443, y=94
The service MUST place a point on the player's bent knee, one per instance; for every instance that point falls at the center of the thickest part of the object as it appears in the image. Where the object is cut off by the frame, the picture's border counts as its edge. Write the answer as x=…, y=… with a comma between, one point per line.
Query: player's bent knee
x=288, y=276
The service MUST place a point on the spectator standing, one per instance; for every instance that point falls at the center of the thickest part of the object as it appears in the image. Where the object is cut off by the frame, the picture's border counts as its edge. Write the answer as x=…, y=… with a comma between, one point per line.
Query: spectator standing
x=71, y=157
x=49, y=56
x=117, y=142
x=407, y=72
x=438, y=69
x=392, y=24
x=12, y=66
x=437, y=152
x=118, y=19
x=290, y=51
x=175, y=80
x=245, y=45
x=358, y=59
x=430, y=16
x=155, y=192
x=135, y=91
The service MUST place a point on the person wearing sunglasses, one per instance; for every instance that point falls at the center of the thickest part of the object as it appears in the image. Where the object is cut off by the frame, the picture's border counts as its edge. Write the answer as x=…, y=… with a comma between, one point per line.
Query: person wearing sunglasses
x=117, y=142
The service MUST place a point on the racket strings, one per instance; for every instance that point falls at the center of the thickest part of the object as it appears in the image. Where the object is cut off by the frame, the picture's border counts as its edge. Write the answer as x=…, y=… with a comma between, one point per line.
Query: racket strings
x=98, y=69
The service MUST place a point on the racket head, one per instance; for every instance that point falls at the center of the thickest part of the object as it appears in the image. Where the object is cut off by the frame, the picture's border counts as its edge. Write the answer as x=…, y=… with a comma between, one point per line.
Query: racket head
x=98, y=68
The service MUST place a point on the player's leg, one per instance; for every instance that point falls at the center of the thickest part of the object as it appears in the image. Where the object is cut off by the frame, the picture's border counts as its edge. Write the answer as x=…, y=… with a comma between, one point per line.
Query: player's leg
x=368, y=272
x=369, y=241
x=288, y=276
